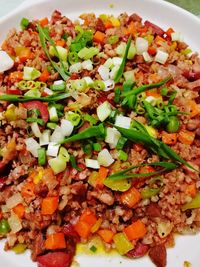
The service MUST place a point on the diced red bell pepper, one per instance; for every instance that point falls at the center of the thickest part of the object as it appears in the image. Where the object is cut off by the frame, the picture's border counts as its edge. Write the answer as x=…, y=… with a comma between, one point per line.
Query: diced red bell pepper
x=13, y=91
x=55, y=259
x=40, y=106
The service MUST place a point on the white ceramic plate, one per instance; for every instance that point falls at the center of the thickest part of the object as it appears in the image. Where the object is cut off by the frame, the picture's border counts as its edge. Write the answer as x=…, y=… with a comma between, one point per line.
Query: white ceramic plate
x=159, y=12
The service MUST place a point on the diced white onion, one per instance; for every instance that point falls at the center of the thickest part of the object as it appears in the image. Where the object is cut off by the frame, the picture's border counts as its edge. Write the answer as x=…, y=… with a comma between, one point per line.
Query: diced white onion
x=13, y=201
x=141, y=45
x=48, y=91
x=147, y=57
x=92, y=163
x=109, y=63
x=15, y=223
x=75, y=68
x=58, y=82
x=35, y=129
x=104, y=158
x=104, y=72
x=57, y=135
x=32, y=146
x=161, y=57
x=176, y=36
x=88, y=80
x=151, y=100
x=6, y=61
x=53, y=149
x=113, y=72
x=104, y=111
x=66, y=127
x=117, y=60
x=45, y=138
x=109, y=85
x=164, y=228
x=57, y=164
x=53, y=114
x=87, y=65
x=123, y=121
x=112, y=137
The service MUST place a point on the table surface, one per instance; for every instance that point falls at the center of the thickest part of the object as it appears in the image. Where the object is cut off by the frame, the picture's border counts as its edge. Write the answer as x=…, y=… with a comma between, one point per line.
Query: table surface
x=191, y=5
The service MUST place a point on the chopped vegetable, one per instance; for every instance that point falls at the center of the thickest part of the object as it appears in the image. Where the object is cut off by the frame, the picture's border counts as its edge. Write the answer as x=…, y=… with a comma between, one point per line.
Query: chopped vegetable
x=122, y=244
x=186, y=137
x=85, y=223
x=104, y=111
x=135, y=230
x=49, y=205
x=42, y=156
x=121, y=68
x=55, y=241
x=4, y=227
x=104, y=158
x=24, y=23
x=19, y=248
x=131, y=197
x=194, y=204
x=106, y=235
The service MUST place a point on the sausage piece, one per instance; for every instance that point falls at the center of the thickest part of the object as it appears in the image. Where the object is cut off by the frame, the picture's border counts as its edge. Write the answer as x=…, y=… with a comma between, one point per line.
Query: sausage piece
x=158, y=255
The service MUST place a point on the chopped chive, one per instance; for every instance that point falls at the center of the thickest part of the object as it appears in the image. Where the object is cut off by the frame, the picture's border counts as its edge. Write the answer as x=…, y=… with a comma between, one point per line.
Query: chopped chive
x=39, y=121
x=24, y=23
x=41, y=156
x=122, y=155
x=73, y=163
x=93, y=249
x=97, y=147
x=121, y=142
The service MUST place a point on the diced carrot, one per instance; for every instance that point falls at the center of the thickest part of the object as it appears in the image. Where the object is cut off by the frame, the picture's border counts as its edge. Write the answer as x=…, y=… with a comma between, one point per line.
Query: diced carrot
x=169, y=32
x=152, y=50
x=108, y=24
x=169, y=138
x=146, y=169
x=131, y=197
x=99, y=37
x=44, y=76
x=85, y=223
x=88, y=217
x=131, y=28
x=193, y=108
x=16, y=76
x=191, y=190
x=139, y=75
x=106, y=235
x=28, y=190
x=19, y=210
x=61, y=42
x=102, y=174
x=154, y=94
x=44, y=22
x=137, y=147
x=55, y=241
x=158, y=40
x=186, y=137
x=135, y=230
x=49, y=205
x=154, y=77
x=82, y=228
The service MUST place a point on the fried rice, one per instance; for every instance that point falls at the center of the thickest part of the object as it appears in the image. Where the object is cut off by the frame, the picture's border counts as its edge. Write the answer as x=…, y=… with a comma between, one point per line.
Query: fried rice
x=100, y=136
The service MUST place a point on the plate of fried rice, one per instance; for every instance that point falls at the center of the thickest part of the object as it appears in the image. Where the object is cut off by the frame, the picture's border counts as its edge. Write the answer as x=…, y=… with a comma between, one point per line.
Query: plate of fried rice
x=99, y=134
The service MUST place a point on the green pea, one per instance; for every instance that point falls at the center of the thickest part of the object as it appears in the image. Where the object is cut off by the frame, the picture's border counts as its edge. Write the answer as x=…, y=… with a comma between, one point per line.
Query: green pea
x=4, y=227
x=173, y=124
